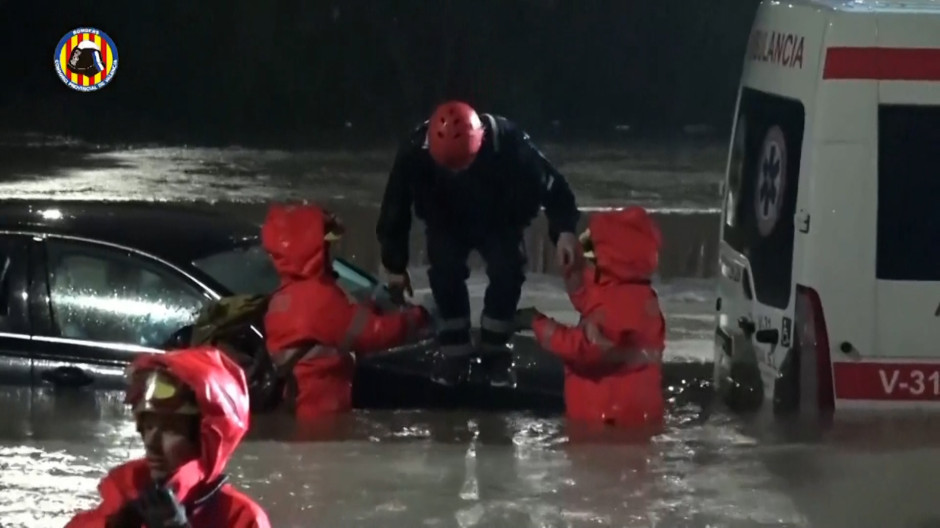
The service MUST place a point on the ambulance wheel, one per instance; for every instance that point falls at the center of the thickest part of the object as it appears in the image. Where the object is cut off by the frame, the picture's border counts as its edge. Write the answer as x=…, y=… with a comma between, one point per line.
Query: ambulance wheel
x=744, y=391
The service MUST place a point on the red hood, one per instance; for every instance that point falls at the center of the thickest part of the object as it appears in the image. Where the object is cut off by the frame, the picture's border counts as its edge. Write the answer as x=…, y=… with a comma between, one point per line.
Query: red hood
x=222, y=395
x=294, y=237
x=626, y=244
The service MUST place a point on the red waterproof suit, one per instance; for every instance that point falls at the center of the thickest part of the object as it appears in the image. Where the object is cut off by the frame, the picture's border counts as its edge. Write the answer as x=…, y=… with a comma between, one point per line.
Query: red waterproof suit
x=311, y=311
x=222, y=396
x=613, y=357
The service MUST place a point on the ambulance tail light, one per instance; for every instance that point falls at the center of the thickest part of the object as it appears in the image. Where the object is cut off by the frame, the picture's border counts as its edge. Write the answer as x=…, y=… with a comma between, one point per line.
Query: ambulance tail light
x=812, y=338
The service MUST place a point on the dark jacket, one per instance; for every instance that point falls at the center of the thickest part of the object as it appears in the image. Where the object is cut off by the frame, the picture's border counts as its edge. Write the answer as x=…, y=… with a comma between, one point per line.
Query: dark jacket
x=504, y=189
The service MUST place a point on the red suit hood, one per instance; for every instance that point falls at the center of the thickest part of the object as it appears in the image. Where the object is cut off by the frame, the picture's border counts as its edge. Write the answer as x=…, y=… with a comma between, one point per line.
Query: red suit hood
x=222, y=396
x=626, y=244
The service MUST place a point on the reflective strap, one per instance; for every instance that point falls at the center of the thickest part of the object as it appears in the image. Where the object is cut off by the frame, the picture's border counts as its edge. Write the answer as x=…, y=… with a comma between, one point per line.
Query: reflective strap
x=454, y=325
x=356, y=326
x=612, y=353
x=321, y=351
x=213, y=491
x=287, y=359
x=633, y=356
x=463, y=349
x=496, y=325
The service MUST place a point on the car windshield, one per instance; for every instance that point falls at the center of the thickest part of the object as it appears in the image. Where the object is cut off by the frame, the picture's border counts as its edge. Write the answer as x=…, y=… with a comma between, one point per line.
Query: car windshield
x=248, y=269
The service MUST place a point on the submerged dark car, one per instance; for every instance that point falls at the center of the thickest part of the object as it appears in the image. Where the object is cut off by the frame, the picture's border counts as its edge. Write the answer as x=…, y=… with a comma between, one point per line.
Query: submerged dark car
x=85, y=286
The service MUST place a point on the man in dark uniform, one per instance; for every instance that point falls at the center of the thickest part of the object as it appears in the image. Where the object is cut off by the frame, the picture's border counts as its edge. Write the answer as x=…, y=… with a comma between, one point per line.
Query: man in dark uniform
x=476, y=182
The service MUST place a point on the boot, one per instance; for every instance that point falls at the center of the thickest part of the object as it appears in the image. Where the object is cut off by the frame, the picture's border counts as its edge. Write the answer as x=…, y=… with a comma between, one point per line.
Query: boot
x=450, y=364
x=496, y=359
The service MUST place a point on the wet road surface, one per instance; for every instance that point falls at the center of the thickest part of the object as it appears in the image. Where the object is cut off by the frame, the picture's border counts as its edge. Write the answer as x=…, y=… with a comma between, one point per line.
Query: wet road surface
x=675, y=178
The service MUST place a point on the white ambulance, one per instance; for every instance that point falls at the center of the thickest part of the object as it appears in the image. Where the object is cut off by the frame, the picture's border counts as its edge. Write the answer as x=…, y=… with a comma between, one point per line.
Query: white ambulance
x=829, y=286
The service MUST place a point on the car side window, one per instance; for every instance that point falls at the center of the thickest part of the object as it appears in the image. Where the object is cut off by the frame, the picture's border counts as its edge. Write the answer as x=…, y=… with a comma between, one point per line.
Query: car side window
x=13, y=316
x=103, y=294
x=358, y=283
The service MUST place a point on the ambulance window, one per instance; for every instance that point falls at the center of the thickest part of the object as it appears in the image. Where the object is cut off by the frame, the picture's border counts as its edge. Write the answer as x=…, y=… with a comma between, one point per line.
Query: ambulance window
x=760, y=195
x=908, y=193
x=735, y=173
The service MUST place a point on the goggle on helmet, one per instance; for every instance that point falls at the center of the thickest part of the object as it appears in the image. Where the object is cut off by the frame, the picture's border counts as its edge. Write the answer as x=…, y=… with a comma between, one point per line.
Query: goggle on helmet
x=157, y=391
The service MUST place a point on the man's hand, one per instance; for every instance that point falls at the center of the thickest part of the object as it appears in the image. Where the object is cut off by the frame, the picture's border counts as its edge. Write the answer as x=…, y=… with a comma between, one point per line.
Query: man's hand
x=525, y=317
x=158, y=507
x=398, y=286
x=334, y=227
x=567, y=251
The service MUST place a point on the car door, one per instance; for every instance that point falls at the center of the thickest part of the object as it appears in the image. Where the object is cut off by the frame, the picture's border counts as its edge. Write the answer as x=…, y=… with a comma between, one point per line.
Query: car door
x=15, y=345
x=100, y=307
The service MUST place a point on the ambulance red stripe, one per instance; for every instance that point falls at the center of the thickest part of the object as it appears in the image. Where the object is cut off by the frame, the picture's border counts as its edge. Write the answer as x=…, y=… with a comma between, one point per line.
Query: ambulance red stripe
x=882, y=64
x=887, y=381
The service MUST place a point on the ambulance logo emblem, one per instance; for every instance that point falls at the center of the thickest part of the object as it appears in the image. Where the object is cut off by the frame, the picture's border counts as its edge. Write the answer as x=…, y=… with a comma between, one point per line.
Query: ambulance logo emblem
x=86, y=59
x=771, y=181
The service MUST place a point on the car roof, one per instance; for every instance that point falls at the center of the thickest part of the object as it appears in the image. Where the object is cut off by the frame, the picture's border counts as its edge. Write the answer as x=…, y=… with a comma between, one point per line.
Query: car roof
x=875, y=6
x=173, y=232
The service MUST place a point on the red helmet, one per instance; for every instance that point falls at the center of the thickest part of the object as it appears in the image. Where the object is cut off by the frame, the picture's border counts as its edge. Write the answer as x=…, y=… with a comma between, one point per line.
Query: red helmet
x=455, y=134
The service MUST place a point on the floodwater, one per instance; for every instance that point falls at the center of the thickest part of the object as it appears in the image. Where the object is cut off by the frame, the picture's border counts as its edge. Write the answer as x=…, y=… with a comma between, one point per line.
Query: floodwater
x=470, y=468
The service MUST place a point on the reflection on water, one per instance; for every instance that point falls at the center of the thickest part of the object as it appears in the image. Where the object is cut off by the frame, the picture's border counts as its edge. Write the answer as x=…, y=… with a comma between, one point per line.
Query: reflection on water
x=468, y=468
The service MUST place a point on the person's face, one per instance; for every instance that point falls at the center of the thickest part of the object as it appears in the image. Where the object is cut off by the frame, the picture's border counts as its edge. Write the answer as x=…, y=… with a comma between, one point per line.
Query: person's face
x=170, y=441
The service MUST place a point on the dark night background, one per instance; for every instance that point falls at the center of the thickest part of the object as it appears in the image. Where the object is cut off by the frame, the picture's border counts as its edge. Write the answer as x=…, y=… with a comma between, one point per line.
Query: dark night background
x=292, y=72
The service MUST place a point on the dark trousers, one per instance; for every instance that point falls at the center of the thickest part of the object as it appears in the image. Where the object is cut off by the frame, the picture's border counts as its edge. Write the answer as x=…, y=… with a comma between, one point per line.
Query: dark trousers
x=504, y=254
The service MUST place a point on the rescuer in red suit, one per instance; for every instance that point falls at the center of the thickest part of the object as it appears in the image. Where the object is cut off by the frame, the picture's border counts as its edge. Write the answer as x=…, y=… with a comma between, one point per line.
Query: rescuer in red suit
x=191, y=408
x=613, y=357
x=312, y=316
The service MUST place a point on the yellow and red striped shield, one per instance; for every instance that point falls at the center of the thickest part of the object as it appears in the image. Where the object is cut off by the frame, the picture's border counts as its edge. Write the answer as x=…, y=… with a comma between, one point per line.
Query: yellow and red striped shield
x=86, y=38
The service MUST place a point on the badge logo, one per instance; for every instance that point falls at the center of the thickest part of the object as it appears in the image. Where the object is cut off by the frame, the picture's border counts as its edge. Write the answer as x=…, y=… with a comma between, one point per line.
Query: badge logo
x=86, y=59
x=771, y=181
